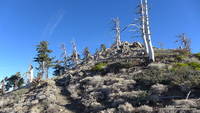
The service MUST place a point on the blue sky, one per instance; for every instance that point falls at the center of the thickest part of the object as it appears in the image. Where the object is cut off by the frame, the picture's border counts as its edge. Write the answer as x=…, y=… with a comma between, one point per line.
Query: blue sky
x=24, y=23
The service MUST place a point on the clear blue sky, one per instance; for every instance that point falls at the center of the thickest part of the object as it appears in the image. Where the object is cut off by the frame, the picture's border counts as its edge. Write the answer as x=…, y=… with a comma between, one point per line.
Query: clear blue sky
x=24, y=23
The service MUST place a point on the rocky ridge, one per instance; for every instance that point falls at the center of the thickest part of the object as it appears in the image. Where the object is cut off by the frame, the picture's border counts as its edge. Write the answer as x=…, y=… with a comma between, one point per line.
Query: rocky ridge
x=120, y=81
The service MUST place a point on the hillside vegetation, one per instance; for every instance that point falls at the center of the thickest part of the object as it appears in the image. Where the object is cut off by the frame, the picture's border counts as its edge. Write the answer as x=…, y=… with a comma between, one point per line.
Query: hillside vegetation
x=115, y=85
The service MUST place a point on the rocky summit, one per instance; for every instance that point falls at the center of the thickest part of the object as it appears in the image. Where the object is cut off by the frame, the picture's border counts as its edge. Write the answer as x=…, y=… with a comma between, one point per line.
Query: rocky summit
x=120, y=81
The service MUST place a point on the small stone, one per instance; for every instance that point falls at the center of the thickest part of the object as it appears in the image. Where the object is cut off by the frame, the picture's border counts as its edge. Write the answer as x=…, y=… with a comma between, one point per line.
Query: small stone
x=34, y=102
x=41, y=97
x=145, y=109
x=81, y=73
x=123, y=70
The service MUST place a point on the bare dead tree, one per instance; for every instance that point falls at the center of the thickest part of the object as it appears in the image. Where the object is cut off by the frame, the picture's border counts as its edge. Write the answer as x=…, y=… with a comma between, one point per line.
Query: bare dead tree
x=139, y=25
x=64, y=56
x=185, y=42
x=143, y=27
x=75, y=56
x=117, y=30
x=161, y=45
x=30, y=74
x=188, y=95
x=148, y=32
x=142, y=24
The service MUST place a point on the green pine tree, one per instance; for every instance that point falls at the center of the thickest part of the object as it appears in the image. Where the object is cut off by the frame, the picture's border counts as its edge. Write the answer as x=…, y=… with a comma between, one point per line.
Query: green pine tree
x=103, y=47
x=86, y=54
x=58, y=69
x=15, y=81
x=43, y=58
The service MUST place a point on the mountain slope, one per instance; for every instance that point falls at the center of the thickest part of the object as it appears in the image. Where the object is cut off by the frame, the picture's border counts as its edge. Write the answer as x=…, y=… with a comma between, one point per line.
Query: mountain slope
x=118, y=83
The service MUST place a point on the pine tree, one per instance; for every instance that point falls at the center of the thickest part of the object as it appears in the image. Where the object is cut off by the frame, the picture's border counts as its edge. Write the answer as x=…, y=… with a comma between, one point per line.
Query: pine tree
x=15, y=81
x=43, y=58
x=58, y=69
x=96, y=55
x=103, y=48
x=3, y=86
x=86, y=54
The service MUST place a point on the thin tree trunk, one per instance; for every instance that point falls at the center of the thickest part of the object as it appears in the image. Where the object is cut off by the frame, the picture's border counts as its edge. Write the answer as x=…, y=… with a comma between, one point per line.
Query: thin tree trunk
x=76, y=58
x=43, y=69
x=117, y=29
x=3, y=86
x=31, y=75
x=46, y=73
x=143, y=28
x=148, y=34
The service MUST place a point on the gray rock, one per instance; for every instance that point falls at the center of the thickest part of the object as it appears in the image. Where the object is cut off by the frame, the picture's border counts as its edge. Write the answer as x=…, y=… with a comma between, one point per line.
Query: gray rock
x=41, y=97
x=126, y=108
x=35, y=102
x=123, y=70
x=81, y=73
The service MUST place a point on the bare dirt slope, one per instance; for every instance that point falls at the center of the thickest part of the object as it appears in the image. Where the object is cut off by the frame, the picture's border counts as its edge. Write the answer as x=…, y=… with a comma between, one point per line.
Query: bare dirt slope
x=45, y=97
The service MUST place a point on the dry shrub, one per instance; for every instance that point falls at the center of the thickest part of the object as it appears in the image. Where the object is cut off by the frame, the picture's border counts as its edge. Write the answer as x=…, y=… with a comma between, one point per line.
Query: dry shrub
x=110, y=110
x=115, y=67
x=157, y=65
x=158, y=89
x=185, y=103
x=126, y=108
x=144, y=109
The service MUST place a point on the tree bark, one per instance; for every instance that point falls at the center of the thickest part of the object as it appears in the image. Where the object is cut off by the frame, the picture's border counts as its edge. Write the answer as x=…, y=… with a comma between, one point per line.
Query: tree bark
x=3, y=86
x=143, y=28
x=148, y=34
x=118, y=32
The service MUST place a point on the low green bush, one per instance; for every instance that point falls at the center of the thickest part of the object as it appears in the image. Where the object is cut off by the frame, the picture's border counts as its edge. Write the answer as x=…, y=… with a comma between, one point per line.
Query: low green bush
x=184, y=74
x=195, y=65
x=149, y=77
x=197, y=55
x=182, y=52
x=192, y=65
x=99, y=67
x=115, y=67
x=141, y=99
x=180, y=58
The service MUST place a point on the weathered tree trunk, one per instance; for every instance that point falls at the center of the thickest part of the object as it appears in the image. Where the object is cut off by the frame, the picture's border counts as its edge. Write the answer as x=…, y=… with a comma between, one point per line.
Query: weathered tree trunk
x=3, y=86
x=75, y=53
x=143, y=28
x=148, y=34
x=43, y=68
x=117, y=30
x=30, y=74
x=46, y=72
x=65, y=57
x=15, y=84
